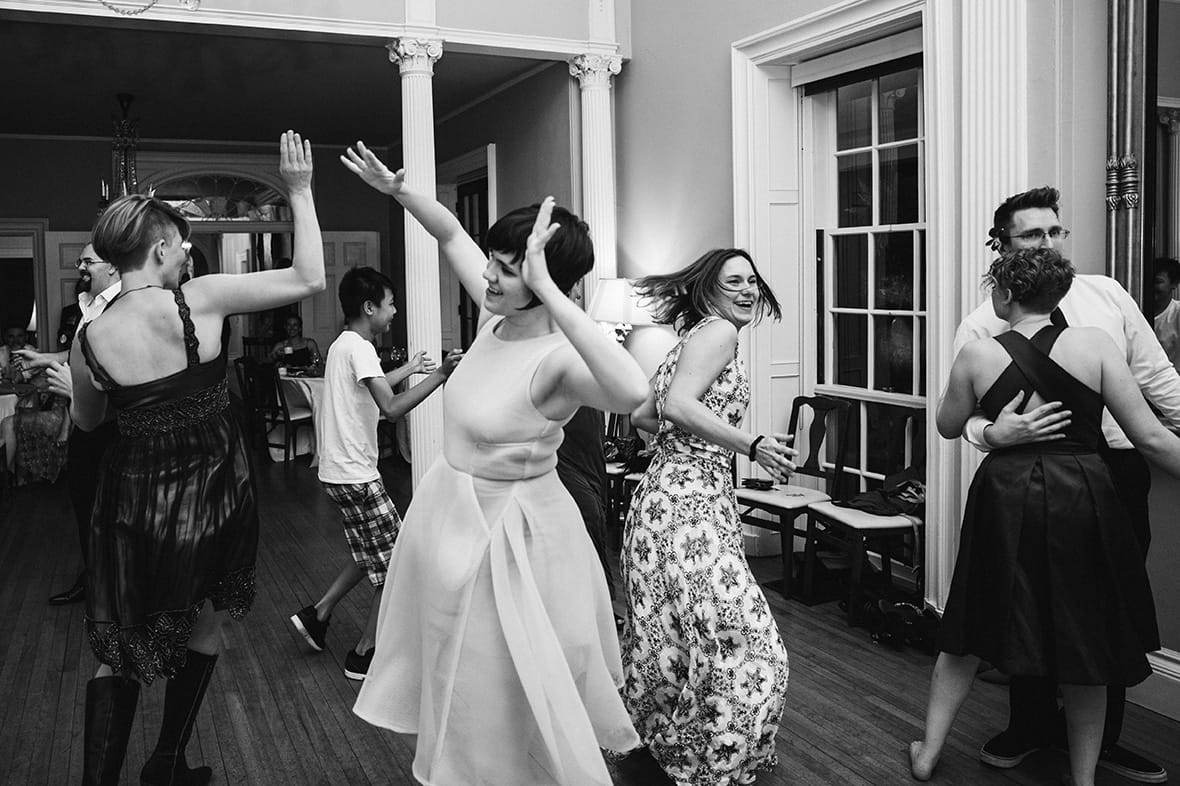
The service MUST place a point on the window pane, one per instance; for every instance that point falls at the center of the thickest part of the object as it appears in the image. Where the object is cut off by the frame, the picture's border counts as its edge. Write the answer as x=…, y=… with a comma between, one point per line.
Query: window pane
x=898, y=106
x=852, y=271
x=894, y=356
x=894, y=270
x=852, y=342
x=922, y=273
x=899, y=184
x=854, y=115
x=921, y=356
x=886, y=451
x=854, y=177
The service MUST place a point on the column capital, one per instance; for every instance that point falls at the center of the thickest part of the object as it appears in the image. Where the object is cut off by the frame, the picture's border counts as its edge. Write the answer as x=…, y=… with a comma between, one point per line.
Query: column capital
x=1170, y=119
x=415, y=55
x=595, y=70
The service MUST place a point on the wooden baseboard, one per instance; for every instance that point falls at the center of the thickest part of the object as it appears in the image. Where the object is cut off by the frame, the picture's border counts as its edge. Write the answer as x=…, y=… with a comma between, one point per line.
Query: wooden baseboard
x=1161, y=691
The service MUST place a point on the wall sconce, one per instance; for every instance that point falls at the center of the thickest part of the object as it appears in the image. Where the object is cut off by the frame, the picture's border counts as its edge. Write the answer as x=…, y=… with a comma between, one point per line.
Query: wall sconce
x=615, y=302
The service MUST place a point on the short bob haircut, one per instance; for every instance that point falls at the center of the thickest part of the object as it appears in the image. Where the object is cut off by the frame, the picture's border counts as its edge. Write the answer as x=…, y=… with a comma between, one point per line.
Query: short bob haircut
x=130, y=226
x=684, y=298
x=1037, y=277
x=362, y=285
x=569, y=253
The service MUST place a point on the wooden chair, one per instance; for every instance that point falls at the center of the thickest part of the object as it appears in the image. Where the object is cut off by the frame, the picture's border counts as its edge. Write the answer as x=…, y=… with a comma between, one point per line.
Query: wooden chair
x=268, y=402
x=852, y=532
x=257, y=347
x=826, y=436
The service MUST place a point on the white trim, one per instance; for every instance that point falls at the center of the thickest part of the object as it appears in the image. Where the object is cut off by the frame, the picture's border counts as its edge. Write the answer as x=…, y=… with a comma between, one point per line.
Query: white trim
x=873, y=53
x=166, y=142
x=837, y=27
x=455, y=39
x=1167, y=102
x=1161, y=691
x=453, y=170
x=943, y=495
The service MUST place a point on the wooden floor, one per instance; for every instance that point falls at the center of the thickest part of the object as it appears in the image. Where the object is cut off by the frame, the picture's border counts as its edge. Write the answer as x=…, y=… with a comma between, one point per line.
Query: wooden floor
x=278, y=713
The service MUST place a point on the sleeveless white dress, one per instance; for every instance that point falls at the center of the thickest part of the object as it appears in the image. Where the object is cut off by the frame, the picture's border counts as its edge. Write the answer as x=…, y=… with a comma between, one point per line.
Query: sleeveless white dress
x=495, y=642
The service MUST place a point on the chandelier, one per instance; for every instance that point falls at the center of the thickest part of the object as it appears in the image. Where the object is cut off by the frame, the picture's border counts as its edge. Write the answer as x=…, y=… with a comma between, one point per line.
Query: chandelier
x=131, y=9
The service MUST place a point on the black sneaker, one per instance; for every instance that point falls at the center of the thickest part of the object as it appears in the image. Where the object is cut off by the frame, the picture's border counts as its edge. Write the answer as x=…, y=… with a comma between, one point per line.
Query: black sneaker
x=1131, y=765
x=1006, y=750
x=356, y=666
x=312, y=629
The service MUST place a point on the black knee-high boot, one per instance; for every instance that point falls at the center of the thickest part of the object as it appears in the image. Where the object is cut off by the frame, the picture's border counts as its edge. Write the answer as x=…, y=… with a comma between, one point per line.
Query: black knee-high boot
x=182, y=700
x=110, y=711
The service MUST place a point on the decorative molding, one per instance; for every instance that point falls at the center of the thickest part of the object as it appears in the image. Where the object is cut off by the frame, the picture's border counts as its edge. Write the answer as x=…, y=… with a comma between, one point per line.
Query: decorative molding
x=881, y=50
x=156, y=167
x=456, y=39
x=836, y=27
x=1161, y=691
x=595, y=70
x=415, y=56
x=1170, y=117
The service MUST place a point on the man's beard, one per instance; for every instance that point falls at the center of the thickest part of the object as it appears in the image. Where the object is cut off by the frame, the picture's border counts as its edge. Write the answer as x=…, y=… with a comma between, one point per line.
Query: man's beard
x=88, y=281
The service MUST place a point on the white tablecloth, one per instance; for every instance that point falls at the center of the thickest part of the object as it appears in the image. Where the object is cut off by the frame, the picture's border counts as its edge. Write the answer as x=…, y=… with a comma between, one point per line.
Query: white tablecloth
x=7, y=407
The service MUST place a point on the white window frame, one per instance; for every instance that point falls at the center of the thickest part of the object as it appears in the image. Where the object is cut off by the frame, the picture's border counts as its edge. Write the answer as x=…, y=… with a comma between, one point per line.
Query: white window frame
x=768, y=181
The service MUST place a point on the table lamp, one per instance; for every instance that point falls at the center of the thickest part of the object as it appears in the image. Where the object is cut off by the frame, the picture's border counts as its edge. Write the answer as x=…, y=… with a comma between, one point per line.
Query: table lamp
x=616, y=302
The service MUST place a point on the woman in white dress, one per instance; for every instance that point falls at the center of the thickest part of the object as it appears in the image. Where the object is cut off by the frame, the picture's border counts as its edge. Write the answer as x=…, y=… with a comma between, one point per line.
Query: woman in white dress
x=495, y=642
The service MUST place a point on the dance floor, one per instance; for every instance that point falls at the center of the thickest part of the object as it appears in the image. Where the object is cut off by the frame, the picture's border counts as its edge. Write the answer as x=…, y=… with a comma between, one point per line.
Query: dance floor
x=278, y=713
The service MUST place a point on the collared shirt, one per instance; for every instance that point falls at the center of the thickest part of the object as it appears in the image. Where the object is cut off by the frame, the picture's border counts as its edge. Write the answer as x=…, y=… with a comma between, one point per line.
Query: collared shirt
x=93, y=305
x=1095, y=301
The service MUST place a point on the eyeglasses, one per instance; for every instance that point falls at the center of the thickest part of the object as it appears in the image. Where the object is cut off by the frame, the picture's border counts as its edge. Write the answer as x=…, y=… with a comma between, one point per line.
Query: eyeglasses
x=1038, y=235
x=87, y=261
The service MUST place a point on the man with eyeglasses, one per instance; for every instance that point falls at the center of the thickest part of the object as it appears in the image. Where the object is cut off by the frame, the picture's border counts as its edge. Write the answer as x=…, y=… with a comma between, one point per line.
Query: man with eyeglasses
x=1029, y=220
x=85, y=448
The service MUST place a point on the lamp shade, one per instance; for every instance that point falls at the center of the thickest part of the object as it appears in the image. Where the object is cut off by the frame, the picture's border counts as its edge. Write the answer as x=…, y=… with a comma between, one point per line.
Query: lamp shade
x=615, y=301
x=32, y=328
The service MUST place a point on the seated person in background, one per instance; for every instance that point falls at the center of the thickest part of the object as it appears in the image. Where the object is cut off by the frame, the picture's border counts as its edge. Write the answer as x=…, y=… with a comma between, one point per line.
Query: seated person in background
x=297, y=352
x=1166, y=309
x=35, y=435
x=10, y=367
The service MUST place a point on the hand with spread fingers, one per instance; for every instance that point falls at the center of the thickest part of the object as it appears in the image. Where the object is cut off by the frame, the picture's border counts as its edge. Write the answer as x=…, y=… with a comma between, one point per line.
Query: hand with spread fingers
x=534, y=270
x=775, y=455
x=1046, y=422
x=364, y=164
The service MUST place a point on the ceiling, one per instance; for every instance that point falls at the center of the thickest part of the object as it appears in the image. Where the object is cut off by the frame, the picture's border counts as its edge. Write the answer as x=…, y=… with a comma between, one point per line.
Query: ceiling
x=61, y=77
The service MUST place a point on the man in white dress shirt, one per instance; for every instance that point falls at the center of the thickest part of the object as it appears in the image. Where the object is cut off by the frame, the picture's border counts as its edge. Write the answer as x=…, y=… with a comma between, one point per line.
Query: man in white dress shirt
x=1029, y=220
x=85, y=448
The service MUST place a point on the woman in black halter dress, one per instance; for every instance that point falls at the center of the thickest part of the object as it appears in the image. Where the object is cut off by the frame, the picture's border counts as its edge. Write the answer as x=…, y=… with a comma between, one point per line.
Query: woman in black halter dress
x=175, y=526
x=1049, y=579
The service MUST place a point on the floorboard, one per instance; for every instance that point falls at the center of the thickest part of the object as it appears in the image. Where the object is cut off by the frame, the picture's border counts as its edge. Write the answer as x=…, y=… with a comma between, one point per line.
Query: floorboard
x=278, y=713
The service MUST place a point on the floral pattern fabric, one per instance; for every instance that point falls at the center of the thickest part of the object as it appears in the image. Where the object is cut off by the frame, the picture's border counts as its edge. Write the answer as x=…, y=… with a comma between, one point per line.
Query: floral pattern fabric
x=705, y=668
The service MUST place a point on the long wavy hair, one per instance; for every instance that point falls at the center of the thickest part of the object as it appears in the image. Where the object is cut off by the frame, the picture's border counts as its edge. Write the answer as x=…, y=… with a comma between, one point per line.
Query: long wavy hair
x=684, y=298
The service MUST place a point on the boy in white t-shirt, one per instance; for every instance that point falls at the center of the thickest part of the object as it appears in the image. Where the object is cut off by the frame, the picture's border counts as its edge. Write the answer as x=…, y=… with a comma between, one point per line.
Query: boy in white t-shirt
x=356, y=395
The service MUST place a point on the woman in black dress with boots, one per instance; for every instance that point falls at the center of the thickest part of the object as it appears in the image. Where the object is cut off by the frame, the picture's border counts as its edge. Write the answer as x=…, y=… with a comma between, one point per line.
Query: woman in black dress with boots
x=175, y=527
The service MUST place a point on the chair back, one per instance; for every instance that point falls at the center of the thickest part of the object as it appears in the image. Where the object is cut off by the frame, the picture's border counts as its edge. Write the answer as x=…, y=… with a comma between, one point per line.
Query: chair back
x=826, y=439
x=257, y=347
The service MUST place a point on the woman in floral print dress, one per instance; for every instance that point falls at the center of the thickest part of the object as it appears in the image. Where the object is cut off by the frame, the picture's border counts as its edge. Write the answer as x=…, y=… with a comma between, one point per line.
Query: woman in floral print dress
x=705, y=668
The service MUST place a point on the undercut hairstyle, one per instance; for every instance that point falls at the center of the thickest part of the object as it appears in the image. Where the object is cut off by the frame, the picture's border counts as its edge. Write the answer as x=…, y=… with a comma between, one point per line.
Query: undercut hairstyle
x=684, y=298
x=130, y=226
x=1043, y=197
x=569, y=253
x=1037, y=277
x=1169, y=267
x=362, y=285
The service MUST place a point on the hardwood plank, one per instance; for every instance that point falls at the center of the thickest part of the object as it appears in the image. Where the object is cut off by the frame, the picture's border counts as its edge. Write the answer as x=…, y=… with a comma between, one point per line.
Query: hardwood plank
x=278, y=713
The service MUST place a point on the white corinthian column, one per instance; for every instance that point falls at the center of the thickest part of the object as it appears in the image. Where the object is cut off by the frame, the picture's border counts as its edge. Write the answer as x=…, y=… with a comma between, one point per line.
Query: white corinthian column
x=415, y=57
x=594, y=74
